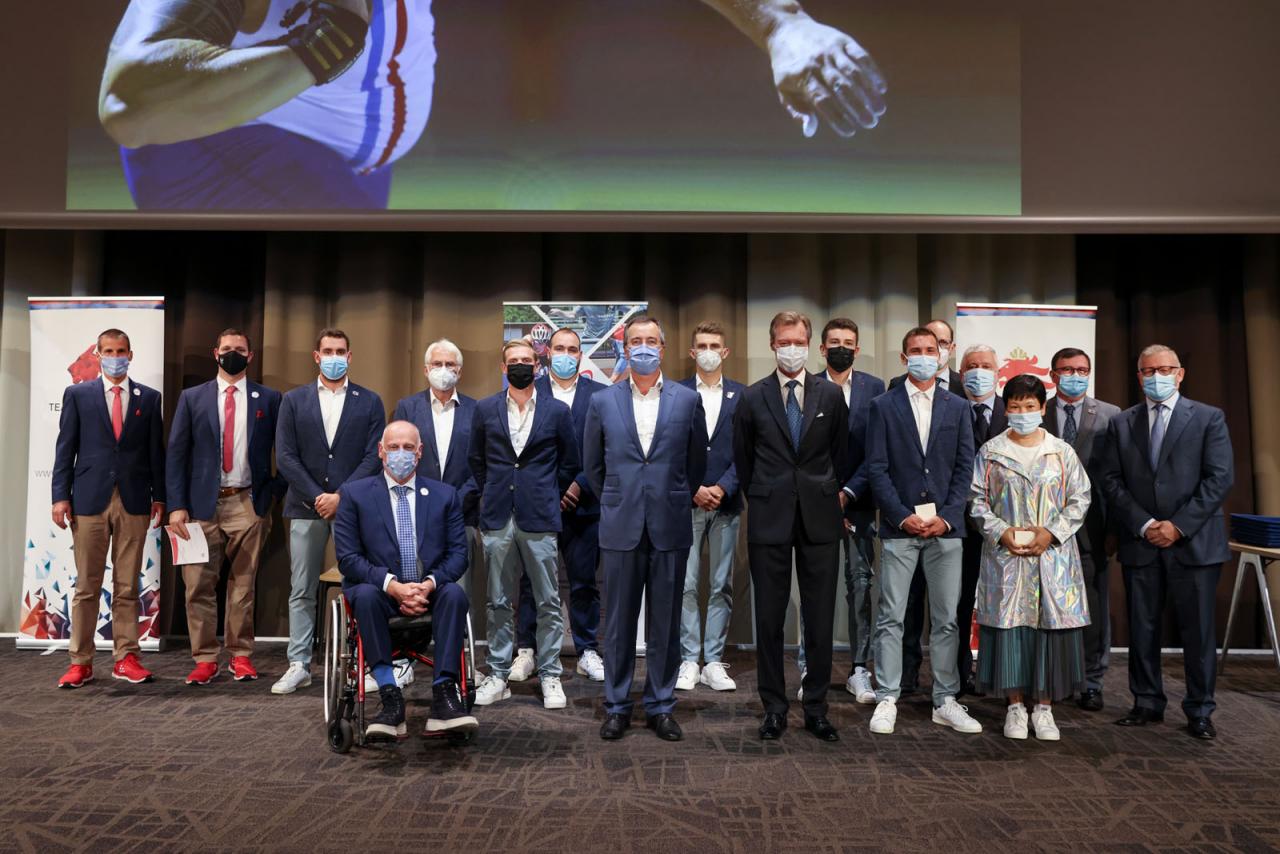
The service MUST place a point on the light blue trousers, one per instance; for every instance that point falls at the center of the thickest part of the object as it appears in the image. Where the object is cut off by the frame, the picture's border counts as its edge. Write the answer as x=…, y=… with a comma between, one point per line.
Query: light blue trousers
x=898, y=559
x=509, y=552
x=721, y=533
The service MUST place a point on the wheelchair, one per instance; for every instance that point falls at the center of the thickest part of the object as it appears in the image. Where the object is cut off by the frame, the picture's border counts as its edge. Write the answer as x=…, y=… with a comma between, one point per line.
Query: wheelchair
x=344, y=669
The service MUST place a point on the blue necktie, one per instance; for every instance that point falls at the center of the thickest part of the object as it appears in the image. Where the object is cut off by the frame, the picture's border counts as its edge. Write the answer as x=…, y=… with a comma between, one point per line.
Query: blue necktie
x=404, y=533
x=1069, y=429
x=1157, y=435
x=795, y=418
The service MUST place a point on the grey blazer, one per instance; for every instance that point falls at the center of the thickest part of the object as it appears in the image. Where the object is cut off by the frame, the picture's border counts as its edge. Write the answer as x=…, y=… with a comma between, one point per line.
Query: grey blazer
x=1091, y=437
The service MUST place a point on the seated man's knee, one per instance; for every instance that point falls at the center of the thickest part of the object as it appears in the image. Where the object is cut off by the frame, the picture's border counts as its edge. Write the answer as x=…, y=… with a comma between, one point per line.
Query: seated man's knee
x=451, y=595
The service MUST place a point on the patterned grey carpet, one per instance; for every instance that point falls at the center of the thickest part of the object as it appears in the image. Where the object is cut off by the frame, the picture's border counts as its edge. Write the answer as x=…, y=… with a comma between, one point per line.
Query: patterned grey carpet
x=229, y=767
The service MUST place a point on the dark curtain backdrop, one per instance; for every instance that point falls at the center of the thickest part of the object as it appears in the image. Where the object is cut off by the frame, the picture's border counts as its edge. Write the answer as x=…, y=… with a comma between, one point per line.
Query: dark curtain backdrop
x=396, y=292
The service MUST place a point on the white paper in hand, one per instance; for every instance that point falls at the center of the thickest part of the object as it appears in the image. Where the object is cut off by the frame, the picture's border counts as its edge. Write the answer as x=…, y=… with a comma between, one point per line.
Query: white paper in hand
x=193, y=550
x=926, y=511
x=1024, y=538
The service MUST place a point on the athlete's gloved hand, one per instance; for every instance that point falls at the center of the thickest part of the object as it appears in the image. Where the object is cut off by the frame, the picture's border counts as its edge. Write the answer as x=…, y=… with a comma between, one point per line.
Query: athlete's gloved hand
x=332, y=38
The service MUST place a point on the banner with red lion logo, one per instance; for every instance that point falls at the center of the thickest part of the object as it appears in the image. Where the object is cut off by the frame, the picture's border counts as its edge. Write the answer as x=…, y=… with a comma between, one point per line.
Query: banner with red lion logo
x=64, y=336
x=1025, y=337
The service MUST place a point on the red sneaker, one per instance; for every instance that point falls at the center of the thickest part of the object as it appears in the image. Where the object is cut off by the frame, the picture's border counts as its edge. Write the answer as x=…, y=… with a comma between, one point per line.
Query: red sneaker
x=242, y=668
x=76, y=675
x=131, y=670
x=203, y=673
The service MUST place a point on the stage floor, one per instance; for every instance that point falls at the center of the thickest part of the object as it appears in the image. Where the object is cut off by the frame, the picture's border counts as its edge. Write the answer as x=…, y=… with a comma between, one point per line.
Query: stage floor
x=230, y=767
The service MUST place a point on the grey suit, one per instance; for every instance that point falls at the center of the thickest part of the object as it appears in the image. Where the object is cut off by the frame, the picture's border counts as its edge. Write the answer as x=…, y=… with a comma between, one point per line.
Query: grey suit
x=1092, y=417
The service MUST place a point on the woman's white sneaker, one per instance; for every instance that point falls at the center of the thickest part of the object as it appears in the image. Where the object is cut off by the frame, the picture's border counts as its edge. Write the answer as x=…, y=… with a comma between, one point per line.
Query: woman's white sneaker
x=687, y=677
x=956, y=716
x=552, y=693
x=715, y=675
x=1015, y=722
x=491, y=689
x=885, y=716
x=1045, y=726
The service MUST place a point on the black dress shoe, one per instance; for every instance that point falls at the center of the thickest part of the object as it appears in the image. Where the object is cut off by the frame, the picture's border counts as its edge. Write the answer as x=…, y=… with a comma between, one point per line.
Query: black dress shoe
x=821, y=729
x=772, y=726
x=1091, y=700
x=614, y=726
x=666, y=727
x=1202, y=728
x=1140, y=717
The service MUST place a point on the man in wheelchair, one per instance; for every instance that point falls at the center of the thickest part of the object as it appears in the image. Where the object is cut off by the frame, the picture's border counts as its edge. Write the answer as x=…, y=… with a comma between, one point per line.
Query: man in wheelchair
x=401, y=547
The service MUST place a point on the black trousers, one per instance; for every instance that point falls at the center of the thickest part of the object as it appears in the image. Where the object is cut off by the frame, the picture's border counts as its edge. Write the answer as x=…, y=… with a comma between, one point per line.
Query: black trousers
x=1192, y=589
x=817, y=568
x=1097, y=635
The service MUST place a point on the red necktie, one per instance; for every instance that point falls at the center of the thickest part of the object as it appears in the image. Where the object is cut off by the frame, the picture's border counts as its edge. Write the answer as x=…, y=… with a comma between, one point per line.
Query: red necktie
x=117, y=413
x=229, y=429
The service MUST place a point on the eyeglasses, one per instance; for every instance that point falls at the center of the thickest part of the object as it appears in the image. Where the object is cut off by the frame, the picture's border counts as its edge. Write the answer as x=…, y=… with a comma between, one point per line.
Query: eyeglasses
x=1073, y=372
x=1163, y=370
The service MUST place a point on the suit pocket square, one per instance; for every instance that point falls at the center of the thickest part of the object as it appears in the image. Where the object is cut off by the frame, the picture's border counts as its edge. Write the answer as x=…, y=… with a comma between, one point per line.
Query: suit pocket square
x=821, y=415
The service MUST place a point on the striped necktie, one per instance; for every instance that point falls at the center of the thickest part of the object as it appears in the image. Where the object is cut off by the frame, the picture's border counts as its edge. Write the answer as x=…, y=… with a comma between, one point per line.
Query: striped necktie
x=404, y=533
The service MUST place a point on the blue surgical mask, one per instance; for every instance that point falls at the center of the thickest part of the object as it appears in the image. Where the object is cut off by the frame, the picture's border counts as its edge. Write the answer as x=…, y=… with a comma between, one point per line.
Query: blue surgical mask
x=1073, y=385
x=644, y=359
x=1159, y=388
x=333, y=367
x=114, y=366
x=401, y=463
x=564, y=366
x=922, y=367
x=979, y=382
x=1025, y=423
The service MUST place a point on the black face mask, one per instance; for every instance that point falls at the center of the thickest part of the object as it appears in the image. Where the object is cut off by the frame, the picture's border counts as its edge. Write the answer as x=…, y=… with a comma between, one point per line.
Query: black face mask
x=233, y=362
x=839, y=359
x=520, y=375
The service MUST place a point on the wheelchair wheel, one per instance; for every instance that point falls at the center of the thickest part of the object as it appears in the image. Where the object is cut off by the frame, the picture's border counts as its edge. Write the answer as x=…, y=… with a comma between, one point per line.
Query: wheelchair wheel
x=469, y=668
x=335, y=665
x=341, y=735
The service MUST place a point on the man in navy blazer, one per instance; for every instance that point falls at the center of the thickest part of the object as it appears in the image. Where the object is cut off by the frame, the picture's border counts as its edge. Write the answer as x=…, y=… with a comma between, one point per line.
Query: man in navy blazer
x=108, y=484
x=402, y=546
x=524, y=456
x=839, y=348
x=327, y=434
x=218, y=474
x=717, y=509
x=443, y=417
x=579, y=537
x=1167, y=471
x=920, y=462
x=644, y=454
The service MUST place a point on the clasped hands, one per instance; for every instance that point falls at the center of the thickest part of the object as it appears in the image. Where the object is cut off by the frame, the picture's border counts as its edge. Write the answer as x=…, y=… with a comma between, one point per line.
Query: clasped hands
x=1043, y=540
x=1162, y=534
x=411, y=596
x=917, y=526
x=708, y=497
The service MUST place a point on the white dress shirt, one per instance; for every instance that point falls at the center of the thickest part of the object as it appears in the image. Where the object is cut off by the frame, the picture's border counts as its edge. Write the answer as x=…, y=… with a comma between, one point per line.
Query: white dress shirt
x=565, y=395
x=124, y=397
x=520, y=423
x=712, y=399
x=413, y=519
x=331, y=403
x=442, y=420
x=240, y=475
x=846, y=388
x=646, y=412
x=1151, y=423
x=784, y=379
x=922, y=407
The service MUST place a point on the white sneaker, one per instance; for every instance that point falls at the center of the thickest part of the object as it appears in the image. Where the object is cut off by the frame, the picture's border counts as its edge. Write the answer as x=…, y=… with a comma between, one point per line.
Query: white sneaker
x=401, y=667
x=1015, y=722
x=800, y=690
x=492, y=689
x=716, y=677
x=956, y=716
x=859, y=685
x=687, y=678
x=1046, y=727
x=885, y=716
x=297, y=676
x=552, y=693
x=524, y=666
x=591, y=665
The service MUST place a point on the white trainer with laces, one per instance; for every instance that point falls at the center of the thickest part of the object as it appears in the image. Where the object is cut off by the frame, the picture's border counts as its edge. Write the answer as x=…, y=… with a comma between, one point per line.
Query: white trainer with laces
x=401, y=667
x=492, y=689
x=524, y=666
x=1015, y=722
x=297, y=676
x=715, y=675
x=956, y=716
x=591, y=665
x=552, y=693
x=1046, y=727
x=885, y=716
x=859, y=685
x=687, y=678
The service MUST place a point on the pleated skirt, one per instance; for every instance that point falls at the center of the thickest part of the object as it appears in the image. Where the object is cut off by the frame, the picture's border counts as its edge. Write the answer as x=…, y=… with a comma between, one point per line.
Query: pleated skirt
x=1046, y=665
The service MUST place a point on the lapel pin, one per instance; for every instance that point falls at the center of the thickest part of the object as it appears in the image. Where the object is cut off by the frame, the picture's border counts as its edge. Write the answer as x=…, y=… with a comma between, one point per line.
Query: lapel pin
x=424, y=491
x=356, y=393
x=729, y=394
x=253, y=394
x=137, y=392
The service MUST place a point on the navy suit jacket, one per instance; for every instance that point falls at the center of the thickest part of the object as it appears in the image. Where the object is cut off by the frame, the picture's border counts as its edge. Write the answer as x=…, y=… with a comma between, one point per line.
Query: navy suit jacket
x=303, y=455
x=640, y=493
x=365, y=538
x=721, y=469
x=1187, y=486
x=194, y=463
x=455, y=471
x=588, y=504
x=89, y=464
x=903, y=475
x=864, y=388
x=530, y=485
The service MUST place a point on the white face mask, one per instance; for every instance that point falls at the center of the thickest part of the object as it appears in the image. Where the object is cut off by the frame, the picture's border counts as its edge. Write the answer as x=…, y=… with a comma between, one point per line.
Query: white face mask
x=709, y=360
x=792, y=358
x=442, y=379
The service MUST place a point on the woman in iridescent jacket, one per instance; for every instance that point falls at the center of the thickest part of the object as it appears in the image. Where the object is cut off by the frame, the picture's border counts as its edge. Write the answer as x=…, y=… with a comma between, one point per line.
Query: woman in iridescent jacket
x=1030, y=494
